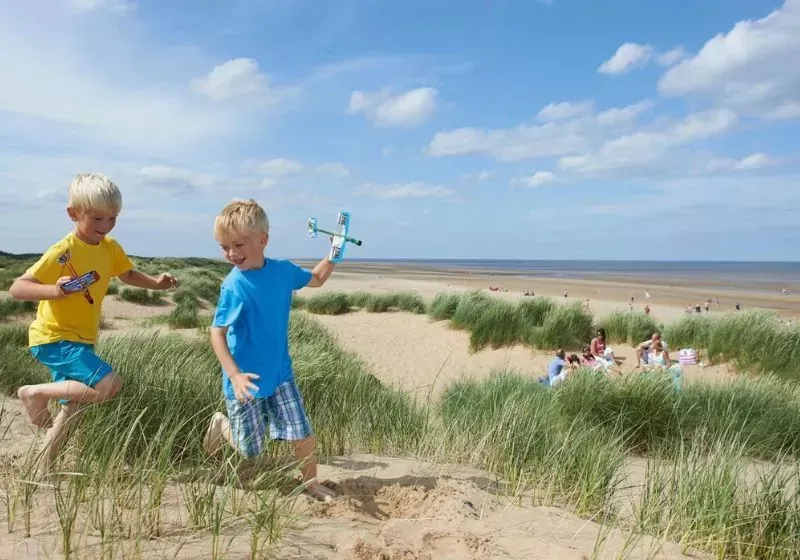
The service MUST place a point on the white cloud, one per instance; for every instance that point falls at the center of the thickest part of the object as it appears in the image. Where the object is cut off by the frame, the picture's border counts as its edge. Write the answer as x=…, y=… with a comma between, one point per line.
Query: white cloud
x=237, y=78
x=530, y=141
x=672, y=56
x=416, y=189
x=335, y=169
x=117, y=6
x=752, y=68
x=173, y=179
x=537, y=179
x=483, y=175
x=627, y=57
x=279, y=167
x=752, y=162
x=65, y=94
x=565, y=110
x=411, y=108
x=646, y=149
x=617, y=116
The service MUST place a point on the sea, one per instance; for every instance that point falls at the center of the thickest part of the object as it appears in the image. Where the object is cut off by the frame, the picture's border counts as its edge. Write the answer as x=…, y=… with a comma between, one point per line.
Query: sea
x=701, y=272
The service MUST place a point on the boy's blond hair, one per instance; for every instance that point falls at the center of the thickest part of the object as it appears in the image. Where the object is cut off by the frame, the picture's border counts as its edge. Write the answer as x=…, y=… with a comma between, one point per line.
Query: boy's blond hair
x=94, y=191
x=241, y=217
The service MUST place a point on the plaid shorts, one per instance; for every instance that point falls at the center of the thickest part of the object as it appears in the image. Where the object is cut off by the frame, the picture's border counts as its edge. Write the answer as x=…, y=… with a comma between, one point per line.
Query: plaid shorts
x=283, y=411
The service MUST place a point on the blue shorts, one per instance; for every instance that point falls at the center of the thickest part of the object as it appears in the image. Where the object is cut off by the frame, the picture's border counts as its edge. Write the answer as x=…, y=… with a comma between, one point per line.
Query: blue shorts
x=283, y=411
x=72, y=361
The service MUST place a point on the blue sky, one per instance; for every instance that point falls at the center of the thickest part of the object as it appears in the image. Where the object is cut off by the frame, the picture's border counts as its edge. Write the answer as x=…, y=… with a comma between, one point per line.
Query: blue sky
x=530, y=129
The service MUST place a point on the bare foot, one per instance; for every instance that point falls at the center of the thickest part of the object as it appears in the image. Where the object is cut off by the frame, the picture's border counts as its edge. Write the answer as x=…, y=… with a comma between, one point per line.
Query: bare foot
x=320, y=492
x=35, y=406
x=212, y=441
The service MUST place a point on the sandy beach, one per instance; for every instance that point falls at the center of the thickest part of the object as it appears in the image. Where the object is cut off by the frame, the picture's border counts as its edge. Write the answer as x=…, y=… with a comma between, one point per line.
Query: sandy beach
x=669, y=297
x=401, y=508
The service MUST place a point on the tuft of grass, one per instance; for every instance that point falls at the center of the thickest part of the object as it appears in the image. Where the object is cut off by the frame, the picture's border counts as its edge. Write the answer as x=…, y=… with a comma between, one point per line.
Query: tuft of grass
x=565, y=326
x=298, y=302
x=141, y=296
x=755, y=341
x=401, y=301
x=629, y=327
x=330, y=303
x=184, y=315
x=359, y=299
x=444, y=306
x=490, y=321
x=10, y=307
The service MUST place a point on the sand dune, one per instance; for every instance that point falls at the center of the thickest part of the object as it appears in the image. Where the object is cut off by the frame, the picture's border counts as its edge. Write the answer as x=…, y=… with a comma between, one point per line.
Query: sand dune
x=389, y=508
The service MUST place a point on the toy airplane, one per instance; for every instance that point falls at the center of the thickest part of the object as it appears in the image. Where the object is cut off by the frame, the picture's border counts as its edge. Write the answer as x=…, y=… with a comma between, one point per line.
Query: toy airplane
x=79, y=283
x=340, y=238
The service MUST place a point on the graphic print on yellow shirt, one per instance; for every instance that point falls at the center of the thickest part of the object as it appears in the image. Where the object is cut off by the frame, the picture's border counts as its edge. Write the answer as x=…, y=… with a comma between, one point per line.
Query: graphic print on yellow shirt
x=73, y=317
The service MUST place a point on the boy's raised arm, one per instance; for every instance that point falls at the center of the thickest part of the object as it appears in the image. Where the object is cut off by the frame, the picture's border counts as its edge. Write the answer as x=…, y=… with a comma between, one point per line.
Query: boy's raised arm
x=321, y=272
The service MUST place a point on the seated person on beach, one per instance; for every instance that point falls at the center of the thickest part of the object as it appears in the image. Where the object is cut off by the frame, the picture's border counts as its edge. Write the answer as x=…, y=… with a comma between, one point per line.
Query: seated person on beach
x=643, y=349
x=559, y=368
x=554, y=367
x=588, y=360
x=659, y=359
x=601, y=351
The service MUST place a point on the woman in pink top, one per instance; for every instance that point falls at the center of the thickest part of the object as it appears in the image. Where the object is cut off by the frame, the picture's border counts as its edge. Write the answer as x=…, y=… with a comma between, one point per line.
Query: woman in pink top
x=601, y=351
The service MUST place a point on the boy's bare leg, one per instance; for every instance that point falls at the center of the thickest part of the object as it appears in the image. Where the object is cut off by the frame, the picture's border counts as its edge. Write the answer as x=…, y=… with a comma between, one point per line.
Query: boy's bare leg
x=304, y=451
x=35, y=397
x=219, y=430
x=56, y=436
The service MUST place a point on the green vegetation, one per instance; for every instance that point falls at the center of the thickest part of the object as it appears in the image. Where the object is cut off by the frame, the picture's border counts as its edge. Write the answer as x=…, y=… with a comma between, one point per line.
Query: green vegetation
x=329, y=303
x=566, y=446
x=141, y=296
x=754, y=340
x=629, y=327
x=184, y=315
x=10, y=307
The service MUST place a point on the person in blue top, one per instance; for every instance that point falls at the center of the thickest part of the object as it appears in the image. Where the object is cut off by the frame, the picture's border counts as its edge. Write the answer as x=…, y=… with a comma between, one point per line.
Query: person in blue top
x=249, y=335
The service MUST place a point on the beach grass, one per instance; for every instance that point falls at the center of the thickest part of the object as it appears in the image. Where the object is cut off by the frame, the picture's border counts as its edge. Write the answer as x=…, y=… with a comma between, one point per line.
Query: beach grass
x=566, y=446
x=628, y=327
x=141, y=296
x=756, y=341
x=328, y=303
x=10, y=307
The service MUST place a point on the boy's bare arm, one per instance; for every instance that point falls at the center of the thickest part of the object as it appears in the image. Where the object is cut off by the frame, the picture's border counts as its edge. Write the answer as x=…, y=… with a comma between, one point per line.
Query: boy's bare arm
x=241, y=381
x=321, y=272
x=163, y=281
x=28, y=288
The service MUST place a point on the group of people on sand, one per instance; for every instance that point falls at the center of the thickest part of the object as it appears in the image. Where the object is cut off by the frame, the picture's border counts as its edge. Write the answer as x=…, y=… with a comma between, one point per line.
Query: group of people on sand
x=651, y=354
x=249, y=332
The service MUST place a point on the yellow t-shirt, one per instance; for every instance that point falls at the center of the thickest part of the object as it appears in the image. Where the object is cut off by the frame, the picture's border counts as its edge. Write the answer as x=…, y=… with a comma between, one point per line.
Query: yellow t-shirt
x=73, y=318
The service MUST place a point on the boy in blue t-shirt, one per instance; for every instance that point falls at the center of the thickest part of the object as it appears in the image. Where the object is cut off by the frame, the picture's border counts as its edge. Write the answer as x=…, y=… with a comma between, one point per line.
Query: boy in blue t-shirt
x=249, y=334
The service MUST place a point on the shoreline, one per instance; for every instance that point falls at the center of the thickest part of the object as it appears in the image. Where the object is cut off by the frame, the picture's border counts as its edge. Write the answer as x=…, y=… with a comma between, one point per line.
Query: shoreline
x=669, y=297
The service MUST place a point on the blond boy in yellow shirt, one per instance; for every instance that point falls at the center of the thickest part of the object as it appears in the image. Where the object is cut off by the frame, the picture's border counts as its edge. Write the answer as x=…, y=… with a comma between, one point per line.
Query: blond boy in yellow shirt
x=63, y=335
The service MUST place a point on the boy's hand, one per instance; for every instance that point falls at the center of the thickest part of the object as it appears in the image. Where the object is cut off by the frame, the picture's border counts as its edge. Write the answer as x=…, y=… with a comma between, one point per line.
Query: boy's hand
x=241, y=383
x=166, y=281
x=59, y=293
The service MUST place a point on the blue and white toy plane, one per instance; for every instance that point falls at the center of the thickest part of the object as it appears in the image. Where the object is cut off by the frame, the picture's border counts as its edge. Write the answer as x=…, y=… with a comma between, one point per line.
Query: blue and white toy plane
x=340, y=238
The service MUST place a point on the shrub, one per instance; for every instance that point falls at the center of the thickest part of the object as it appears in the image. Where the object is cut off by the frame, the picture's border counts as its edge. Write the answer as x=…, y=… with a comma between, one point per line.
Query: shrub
x=330, y=303
x=444, y=306
x=10, y=307
x=566, y=326
x=184, y=315
x=140, y=296
x=359, y=299
x=628, y=326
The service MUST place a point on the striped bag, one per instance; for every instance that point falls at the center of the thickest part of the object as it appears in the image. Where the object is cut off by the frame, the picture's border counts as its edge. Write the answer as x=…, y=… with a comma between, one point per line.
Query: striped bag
x=687, y=357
